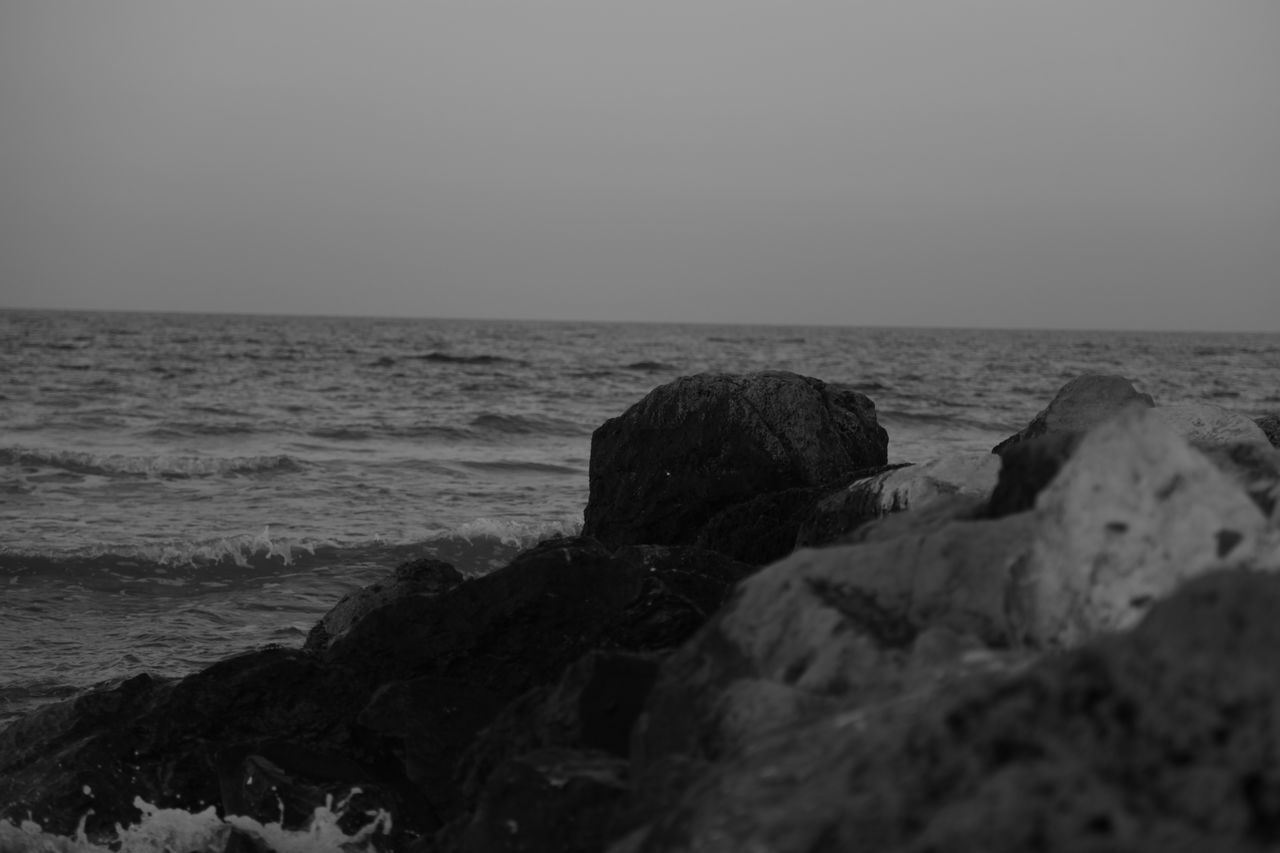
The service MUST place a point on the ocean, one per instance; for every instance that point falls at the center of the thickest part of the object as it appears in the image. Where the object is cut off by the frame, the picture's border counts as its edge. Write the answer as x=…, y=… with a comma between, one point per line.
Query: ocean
x=177, y=488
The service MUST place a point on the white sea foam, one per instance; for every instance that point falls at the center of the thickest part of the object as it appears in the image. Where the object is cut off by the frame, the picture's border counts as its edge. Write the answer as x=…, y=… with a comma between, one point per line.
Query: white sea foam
x=519, y=534
x=178, y=831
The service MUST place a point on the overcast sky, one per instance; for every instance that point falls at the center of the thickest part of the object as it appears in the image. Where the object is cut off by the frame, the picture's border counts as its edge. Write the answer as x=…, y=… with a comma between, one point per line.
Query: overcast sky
x=1042, y=163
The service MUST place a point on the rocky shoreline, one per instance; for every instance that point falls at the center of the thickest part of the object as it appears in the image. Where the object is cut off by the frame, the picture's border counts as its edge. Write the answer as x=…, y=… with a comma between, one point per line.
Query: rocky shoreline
x=768, y=638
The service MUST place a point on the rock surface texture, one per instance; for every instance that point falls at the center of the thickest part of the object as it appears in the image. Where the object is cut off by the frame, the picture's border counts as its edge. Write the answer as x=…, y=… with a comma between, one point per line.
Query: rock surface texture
x=902, y=488
x=692, y=448
x=1270, y=426
x=1205, y=424
x=1133, y=514
x=1080, y=405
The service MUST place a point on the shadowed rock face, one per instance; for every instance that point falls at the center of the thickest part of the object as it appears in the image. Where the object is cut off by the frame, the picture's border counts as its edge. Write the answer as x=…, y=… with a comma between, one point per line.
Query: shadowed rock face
x=389, y=704
x=1270, y=426
x=1080, y=405
x=698, y=445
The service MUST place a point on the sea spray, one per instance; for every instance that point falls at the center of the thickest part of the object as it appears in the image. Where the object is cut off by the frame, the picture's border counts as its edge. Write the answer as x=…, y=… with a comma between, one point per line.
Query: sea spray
x=177, y=831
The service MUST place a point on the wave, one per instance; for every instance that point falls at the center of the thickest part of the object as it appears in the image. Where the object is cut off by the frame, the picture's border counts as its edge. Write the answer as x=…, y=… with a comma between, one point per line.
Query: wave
x=169, y=467
x=475, y=547
x=517, y=467
x=649, y=366
x=447, y=358
x=526, y=425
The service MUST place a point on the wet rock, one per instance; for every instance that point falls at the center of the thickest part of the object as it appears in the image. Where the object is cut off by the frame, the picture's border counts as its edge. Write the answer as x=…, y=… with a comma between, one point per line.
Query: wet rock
x=427, y=722
x=1026, y=468
x=1270, y=426
x=1134, y=513
x=692, y=448
x=282, y=783
x=593, y=707
x=762, y=529
x=1162, y=738
x=1204, y=424
x=164, y=741
x=1080, y=405
x=902, y=488
x=456, y=659
x=553, y=799
x=420, y=577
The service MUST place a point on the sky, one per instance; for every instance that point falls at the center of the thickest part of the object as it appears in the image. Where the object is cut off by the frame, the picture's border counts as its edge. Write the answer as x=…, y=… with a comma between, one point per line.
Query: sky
x=976, y=163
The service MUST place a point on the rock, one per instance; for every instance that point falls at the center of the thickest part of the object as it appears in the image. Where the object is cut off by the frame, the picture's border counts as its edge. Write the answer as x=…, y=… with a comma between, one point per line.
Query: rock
x=427, y=722
x=561, y=800
x=1162, y=738
x=1134, y=513
x=661, y=470
x=919, y=522
x=1255, y=468
x=900, y=488
x=279, y=782
x=763, y=529
x=593, y=707
x=832, y=622
x=1026, y=468
x=1080, y=405
x=420, y=577
x=459, y=657
x=178, y=743
x=1204, y=424
x=1270, y=426
x=388, y=705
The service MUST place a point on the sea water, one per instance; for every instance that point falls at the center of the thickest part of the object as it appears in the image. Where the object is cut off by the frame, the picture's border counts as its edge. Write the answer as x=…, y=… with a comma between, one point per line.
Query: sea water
x=177, y=488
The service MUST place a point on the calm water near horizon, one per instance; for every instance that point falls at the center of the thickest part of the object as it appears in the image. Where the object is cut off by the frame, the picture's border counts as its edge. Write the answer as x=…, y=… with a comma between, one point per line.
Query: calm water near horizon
x=175, y=488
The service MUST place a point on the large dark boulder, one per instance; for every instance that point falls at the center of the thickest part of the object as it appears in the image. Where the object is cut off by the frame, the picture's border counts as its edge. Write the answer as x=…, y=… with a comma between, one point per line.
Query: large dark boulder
x=690, y=449
x=1080, y=405
x=387, y=704
x=449, y=663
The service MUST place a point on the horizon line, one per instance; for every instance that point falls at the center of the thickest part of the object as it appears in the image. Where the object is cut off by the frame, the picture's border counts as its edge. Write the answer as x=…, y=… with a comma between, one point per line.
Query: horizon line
x=475, y=319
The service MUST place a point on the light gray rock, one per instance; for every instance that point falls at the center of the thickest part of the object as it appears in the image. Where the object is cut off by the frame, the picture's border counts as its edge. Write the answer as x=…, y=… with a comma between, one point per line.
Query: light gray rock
x=832, y=622
x=1080, y=405
x=1206, y=424
x=912, y=487
x=1132, y=515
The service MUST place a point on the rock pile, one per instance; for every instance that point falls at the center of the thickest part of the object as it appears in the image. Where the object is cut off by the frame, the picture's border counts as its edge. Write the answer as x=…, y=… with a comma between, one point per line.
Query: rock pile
x=1070, y=643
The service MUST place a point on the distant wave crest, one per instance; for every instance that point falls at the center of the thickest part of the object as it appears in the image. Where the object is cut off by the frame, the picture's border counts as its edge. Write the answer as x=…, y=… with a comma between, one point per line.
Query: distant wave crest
x=119, y=465
x=475, y=547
